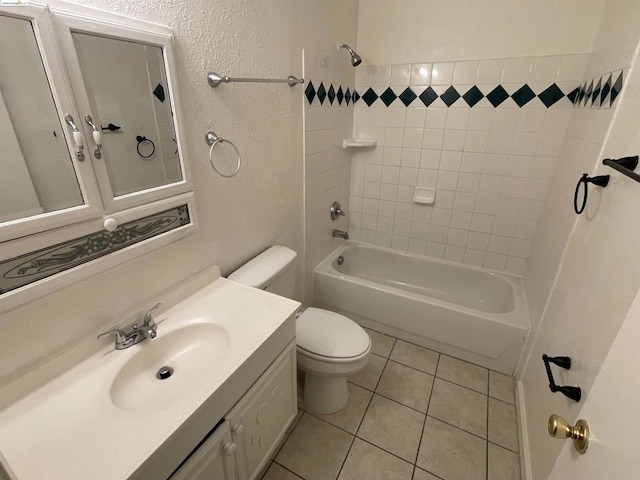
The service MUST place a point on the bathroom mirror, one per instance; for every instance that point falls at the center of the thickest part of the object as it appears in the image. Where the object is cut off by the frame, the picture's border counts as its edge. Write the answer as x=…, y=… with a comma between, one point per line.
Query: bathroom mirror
x=123, y=82
x=37, y=173
x=126, y=84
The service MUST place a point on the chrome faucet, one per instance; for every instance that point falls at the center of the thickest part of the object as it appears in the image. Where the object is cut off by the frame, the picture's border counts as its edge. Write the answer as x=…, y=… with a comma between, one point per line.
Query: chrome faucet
x=340, y=234
x=148, y=329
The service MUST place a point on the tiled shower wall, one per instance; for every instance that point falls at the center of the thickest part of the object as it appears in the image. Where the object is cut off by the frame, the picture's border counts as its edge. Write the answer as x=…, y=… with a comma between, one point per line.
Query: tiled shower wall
x=328, y=119
x=485, y=134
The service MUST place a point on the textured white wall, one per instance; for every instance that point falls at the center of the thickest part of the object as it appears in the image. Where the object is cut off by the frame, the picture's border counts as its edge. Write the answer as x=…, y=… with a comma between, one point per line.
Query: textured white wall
x=239, y=217
x=581, y=277
x=411, y=31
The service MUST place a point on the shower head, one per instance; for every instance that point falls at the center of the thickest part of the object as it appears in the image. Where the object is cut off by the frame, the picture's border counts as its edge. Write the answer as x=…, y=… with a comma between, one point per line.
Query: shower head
x=355, y=58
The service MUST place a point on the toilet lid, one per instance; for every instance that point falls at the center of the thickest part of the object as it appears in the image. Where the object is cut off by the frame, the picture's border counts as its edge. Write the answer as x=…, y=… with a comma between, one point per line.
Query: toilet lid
x=330, y=334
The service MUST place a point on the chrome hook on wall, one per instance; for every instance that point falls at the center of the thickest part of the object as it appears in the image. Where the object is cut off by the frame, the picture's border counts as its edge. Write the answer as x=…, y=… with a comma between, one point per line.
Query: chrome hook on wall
x=601, y=181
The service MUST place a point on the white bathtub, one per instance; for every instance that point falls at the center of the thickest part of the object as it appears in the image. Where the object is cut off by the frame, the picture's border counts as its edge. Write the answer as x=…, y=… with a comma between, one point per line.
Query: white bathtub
x=470, y=313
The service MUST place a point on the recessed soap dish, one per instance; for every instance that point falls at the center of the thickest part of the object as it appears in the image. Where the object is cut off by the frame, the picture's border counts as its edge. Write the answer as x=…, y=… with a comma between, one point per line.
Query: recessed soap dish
x=359, y=142
x=424, y=195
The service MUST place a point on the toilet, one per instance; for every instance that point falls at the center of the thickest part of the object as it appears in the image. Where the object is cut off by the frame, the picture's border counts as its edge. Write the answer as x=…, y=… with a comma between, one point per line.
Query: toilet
x=330, y=346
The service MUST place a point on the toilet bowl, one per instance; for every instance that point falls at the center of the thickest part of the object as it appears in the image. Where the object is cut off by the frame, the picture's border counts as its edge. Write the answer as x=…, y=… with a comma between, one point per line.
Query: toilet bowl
x=330, y=346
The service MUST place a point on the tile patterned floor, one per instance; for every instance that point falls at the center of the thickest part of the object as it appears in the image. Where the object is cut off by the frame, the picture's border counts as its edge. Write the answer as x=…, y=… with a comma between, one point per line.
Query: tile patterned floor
x=413, y=414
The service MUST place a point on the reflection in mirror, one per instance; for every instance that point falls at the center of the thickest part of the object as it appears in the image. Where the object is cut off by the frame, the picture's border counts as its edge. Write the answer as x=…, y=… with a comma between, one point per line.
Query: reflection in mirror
x=36, y=172
x=127, y=87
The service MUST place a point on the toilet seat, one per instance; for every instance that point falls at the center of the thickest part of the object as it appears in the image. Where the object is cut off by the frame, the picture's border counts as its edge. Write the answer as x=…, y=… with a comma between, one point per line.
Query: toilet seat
x=328, y=336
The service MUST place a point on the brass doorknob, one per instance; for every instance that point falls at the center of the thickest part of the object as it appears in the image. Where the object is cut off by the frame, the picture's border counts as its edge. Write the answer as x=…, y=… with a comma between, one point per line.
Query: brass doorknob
x=559, y=428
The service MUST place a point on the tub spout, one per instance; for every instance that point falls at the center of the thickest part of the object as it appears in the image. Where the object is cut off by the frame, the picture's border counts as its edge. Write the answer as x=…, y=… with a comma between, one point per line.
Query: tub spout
x=341, y=234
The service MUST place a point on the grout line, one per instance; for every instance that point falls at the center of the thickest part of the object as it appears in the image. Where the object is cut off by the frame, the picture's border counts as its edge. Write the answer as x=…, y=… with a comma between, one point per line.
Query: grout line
x=461, y=429
x=486, y=451
x=457, y=384
x=287, y=469
x=504, y=448
x=424, y=424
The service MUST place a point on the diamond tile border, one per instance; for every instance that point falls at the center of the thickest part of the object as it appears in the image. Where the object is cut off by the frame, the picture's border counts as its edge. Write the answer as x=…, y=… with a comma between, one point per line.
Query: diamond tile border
x=34, y=266
x=328, y=94
x=599, y=92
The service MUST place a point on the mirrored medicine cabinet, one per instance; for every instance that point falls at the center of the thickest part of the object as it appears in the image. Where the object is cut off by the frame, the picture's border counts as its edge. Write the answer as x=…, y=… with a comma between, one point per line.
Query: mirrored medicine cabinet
x=90, y=137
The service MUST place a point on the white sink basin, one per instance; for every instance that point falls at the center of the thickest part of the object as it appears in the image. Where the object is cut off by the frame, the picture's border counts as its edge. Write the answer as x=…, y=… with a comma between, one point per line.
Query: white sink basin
x=190, y=351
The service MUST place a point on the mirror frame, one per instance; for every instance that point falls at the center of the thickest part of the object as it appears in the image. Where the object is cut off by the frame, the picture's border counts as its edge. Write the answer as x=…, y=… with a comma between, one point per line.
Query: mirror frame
x=68, y=23
x=88, y=220
x=63, y=101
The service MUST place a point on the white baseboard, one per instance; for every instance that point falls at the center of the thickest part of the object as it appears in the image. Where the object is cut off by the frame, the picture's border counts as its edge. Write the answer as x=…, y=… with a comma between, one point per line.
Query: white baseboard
x=525, y=459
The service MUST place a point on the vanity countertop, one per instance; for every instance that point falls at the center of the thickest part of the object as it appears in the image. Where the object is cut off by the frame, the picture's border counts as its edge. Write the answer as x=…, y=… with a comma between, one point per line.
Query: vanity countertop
x=71, y=428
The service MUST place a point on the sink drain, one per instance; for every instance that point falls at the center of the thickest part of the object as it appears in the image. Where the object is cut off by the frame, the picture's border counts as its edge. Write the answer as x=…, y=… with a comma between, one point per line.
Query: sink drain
x=164, y=373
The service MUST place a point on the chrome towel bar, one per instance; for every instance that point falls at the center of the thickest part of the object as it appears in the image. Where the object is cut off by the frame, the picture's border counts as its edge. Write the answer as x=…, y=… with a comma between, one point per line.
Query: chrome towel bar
x=214, y=80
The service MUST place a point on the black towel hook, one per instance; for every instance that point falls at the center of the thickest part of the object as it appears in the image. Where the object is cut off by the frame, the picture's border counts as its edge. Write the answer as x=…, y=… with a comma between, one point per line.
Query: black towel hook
x=600, y=180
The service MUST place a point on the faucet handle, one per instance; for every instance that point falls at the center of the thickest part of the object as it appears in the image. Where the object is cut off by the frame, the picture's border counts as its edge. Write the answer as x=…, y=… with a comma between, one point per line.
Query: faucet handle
x=121, y=337
x=148, y=319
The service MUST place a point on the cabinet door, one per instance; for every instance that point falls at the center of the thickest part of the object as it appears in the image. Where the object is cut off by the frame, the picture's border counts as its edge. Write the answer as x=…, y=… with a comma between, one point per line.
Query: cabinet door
x=261, y=418
x=214, y=460
x=124, y=82
x=45, y=180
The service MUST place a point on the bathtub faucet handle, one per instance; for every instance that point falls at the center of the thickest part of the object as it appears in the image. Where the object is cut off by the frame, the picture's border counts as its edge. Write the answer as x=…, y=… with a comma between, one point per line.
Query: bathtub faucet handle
x=336, y=211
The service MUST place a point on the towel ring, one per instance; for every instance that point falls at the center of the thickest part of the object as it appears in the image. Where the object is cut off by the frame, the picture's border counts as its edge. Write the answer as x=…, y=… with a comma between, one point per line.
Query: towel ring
x=212, y=139
x=140, y=139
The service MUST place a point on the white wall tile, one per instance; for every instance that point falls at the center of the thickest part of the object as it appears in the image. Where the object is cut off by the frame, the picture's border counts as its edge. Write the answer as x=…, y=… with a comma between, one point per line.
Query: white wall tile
x=442, y=73
x=432, y=139
x=516, y=70
x=457, y=119
x=436, y=117
x=415, y=117
x=490, y=71
x=465, y=72
x=400, y=74
x=420, y=74
x=430, y=158
x=396, y=117
x=473, y=257
x=453, y=140
x=491, y=167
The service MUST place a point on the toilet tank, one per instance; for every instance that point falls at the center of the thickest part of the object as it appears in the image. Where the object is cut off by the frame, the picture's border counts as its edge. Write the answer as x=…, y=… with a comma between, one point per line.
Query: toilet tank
x=273, y=270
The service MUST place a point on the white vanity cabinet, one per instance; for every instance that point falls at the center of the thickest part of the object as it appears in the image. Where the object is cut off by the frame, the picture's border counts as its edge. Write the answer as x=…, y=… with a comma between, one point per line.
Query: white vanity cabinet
x=213, y=460
x=242, y=445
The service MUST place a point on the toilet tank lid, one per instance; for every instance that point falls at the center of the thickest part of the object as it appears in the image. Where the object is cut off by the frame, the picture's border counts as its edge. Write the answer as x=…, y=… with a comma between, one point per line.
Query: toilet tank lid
x=266, y=267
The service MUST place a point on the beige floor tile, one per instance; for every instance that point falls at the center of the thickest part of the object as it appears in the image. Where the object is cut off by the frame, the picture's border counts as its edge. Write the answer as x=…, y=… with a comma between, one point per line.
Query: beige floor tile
x=503, y=426
x=381, y=344
x=350, y=416
x=503, y=464
x=276, y=472
x=405, y=385
x=315, y=450
x=366, y=461
x=369, y=376
x=422, y=475
x=501, y=387
x=459, y=406
x=452, y=453
x=392, y=427
x=415, y=356
x=463, y=373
